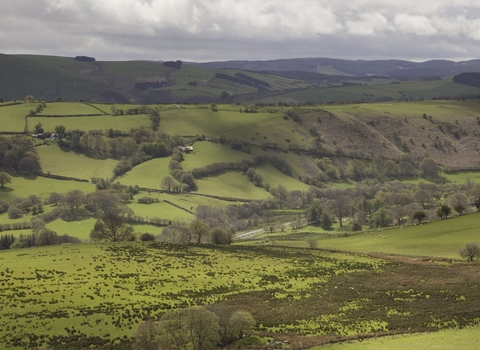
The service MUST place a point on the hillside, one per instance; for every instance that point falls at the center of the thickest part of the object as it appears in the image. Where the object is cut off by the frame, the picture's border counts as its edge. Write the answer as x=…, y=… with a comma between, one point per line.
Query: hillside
x=397, y=69
x=222, y=201
x=296, y=81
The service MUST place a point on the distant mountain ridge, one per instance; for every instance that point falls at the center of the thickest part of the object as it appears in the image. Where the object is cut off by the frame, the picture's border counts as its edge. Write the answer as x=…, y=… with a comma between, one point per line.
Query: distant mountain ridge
x=397, y=69
x=285, y=80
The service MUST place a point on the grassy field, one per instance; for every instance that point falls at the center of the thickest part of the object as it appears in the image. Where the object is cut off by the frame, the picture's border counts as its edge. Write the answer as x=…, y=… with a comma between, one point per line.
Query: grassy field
x=148, y=174
x=439, y=238
x=208, y=152
x=41, y=186
x=80, y=229
x=275, y=177
x=191, y=122
x=12, y=118
x=162, y=210
x=55, y=161
x=465, y=339
x=69, y=108
x=231, y=184
x=316, y=295
x=121, y=122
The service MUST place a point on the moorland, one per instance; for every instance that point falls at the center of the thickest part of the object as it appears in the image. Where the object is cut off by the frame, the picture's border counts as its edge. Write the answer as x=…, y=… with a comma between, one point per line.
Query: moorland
x=324, y=222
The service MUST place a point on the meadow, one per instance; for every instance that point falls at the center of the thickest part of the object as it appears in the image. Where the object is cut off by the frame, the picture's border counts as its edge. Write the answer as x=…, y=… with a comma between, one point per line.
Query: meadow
x=67, y=163
x=289, y=290
x=372, y=283
x=148, y=174
x=232, y=185
x=12, y=117
x=69, y=109
x=85, y=123
x=443, y=238
x=22, y=187
x=465, y=339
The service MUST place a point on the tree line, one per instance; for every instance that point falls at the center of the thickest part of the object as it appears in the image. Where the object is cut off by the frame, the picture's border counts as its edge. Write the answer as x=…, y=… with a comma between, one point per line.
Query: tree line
x=196, y=328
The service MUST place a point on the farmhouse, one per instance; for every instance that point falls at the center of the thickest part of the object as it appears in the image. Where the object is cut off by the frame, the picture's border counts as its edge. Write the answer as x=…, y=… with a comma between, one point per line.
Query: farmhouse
x=185, y=149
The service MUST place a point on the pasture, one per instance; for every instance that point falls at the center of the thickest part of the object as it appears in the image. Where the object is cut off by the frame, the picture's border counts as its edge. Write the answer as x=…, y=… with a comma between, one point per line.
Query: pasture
x=99, y=293
x=120, y=122
x=56, y=161
x=148, y=174
x=208, y=152
x=275, y=177
x=41, y=186
x=232, y=184
x=12, y=118
x=69, y=108
x=202, y=121
x=162, y=209
x=452, y=339
x=442, y=238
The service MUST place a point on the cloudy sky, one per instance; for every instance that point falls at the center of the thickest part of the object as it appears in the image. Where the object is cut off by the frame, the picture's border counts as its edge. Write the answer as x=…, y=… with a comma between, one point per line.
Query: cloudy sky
x=209, y=30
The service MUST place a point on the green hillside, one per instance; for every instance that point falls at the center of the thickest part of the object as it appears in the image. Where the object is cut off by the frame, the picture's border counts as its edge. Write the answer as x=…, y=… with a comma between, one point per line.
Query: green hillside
x=49, y=77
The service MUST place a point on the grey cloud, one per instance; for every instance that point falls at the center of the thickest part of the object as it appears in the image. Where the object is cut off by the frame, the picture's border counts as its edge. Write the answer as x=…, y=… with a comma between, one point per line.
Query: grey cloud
x=242, y=29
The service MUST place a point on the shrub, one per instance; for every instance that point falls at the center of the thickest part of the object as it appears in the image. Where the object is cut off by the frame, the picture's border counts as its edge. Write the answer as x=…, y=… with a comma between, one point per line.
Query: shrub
x=147, y=237
x=15, y=213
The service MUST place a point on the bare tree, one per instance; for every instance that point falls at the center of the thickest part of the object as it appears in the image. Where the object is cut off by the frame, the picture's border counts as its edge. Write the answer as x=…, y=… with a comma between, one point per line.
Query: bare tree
x=194, y=328
x=470, y=251
x=146, y=336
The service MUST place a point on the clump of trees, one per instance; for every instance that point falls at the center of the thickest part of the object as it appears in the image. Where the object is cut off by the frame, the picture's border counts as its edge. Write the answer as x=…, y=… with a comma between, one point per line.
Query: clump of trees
x=18, y=154
x=196, y=328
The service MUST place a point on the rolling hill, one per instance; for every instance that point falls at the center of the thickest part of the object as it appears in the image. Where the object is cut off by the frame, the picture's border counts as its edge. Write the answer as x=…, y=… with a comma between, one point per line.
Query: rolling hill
x=318, y=80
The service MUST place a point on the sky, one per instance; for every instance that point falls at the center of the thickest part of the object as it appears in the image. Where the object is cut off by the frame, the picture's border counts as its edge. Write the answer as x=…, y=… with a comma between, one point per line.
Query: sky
x=218, y=30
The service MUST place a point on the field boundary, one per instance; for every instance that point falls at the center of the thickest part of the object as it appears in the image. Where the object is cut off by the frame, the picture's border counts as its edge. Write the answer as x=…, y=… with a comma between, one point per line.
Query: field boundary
x=60, y=177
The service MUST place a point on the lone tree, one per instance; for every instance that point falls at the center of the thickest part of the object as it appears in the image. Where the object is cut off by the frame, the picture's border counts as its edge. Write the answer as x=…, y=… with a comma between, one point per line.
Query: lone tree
x=29, y=98
x=111, y=228
x=470, y=251
x=4, y=179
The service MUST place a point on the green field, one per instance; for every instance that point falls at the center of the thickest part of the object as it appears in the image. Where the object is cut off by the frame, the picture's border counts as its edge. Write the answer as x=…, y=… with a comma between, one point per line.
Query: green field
x=22, y=187
x=232, y=184
x=112, y=287
x=442, y=238
x=465, y=339
x=275, y=177
x=161, y=210
x=191, y=122
x=68, y=108
x=121, y=122
x=12, y=118
x=148, y=174
x=208, y=152
x=68, y=163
